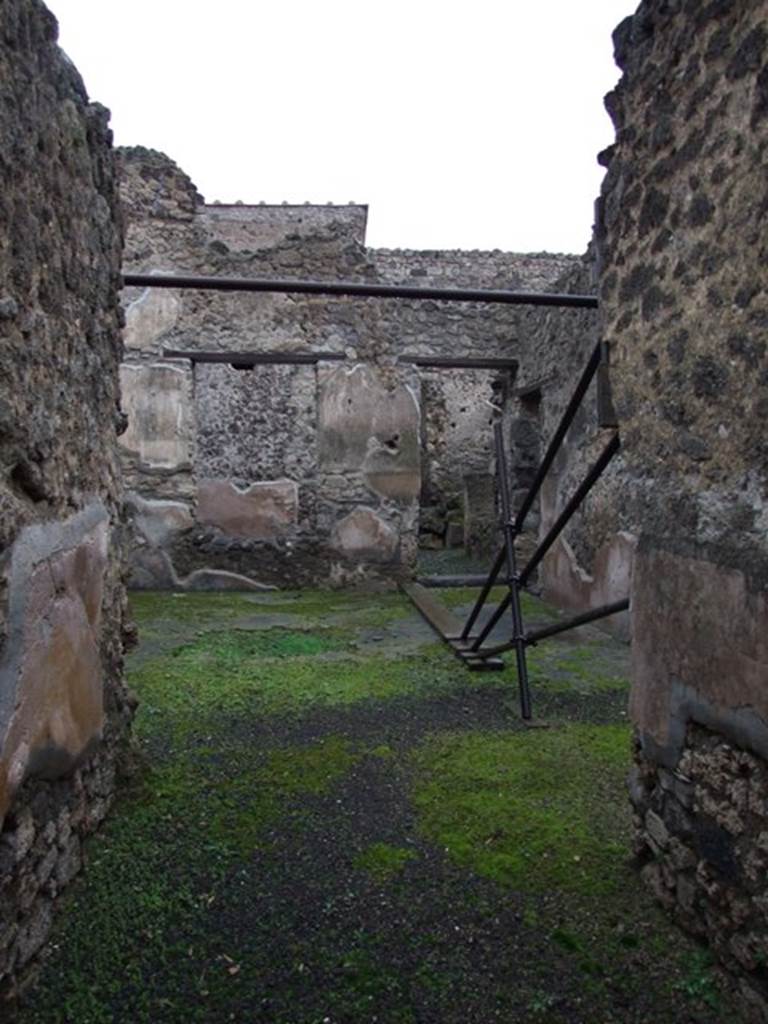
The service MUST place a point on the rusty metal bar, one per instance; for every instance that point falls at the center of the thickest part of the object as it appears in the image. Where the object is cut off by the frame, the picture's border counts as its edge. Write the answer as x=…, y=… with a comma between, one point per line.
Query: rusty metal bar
x=559, y=627
x=554, y=446
x=602, y=612
x=579, y=495
x=355, y=289
x=566, y=419
x=243, y=359
x=459, y=363
x=510, y=535
x=446, y=582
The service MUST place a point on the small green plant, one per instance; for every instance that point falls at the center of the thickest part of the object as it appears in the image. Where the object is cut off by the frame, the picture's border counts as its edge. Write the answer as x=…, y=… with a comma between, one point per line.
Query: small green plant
x=699, y=982
x=541, y=1003
x=382, y=861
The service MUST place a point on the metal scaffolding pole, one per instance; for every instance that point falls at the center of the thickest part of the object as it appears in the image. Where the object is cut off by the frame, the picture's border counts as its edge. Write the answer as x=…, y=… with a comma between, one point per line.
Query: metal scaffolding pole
x=360, y=290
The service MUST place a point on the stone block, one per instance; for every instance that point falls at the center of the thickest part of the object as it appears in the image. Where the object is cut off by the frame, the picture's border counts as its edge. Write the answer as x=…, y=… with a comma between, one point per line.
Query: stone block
x=151, y=569
x=264, y=511
x=454, y=535
x=34, y=931
x=151, y=316
x=69, y=862
x=685, y=889
x=364, y=534
x=370, y=422
x=52, y=705
x=159, y=521
x=220, y=579
x=155, y=398
x=657, y=830
x=481, y=528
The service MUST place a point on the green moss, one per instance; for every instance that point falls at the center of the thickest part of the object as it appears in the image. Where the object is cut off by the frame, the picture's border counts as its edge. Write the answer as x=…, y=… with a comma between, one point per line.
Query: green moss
x=382, y=861
x=533, y=810
x=153, y=609
x=177, y=692
x=591, y=667
x=241, y=674
x=383, y=750
x=231, y=794
x=236, y=647
x=221, y=887
x=155, y=871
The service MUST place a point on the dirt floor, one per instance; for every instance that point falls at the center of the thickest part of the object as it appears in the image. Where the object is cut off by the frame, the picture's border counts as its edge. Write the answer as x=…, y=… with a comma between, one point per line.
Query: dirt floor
x=330, y=820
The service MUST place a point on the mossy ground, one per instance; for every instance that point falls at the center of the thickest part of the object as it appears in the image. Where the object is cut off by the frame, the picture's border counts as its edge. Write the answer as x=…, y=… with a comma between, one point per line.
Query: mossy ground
x=333, y=821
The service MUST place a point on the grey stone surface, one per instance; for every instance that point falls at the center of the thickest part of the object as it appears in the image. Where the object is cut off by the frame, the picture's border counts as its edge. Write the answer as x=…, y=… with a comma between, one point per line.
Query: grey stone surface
x=481, y=518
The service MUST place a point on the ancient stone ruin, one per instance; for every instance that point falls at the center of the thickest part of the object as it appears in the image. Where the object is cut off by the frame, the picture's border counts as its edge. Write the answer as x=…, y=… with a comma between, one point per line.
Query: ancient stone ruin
x=684, y=304
x=260, y=469
x=63, y=710
x=256, y=440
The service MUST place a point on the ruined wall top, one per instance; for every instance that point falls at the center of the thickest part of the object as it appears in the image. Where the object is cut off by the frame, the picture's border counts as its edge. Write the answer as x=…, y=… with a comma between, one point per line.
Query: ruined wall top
x=158, y=187
x=155, y=189
x=474, y=268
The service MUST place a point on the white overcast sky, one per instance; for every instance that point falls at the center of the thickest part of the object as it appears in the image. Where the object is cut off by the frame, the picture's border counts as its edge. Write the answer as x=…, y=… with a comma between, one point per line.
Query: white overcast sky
x=471, y=124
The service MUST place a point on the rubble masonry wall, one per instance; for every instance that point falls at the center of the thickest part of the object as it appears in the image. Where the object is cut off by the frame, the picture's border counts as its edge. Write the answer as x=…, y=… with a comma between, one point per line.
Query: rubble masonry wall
x=684, y=298
x=63, y=708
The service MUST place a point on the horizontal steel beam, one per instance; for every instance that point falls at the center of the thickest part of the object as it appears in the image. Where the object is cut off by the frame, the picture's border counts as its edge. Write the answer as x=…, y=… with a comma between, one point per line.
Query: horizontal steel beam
x=469, y=580
x=602, y=612
x=558, y=627
x=354, y=289
x=244, y=359
x=459, y=362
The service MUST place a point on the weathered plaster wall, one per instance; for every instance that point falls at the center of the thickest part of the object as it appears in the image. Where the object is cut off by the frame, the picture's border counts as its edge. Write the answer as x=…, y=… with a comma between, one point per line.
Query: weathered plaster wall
x=63, y=709
x=270, y=463
x=684, y=293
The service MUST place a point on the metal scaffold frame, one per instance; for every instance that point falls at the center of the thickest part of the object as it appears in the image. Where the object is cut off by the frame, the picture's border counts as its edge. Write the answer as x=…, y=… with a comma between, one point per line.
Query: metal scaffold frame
x=471, y=647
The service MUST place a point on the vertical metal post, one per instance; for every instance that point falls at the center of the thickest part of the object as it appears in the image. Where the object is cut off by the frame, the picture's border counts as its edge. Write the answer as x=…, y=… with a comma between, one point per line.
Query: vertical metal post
x=510, y=534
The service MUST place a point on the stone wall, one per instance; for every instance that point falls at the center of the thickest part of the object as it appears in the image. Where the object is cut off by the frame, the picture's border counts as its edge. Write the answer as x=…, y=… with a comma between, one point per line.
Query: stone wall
x=457, y=415
x=684, y=296
x=297, y=474
x=63, y=709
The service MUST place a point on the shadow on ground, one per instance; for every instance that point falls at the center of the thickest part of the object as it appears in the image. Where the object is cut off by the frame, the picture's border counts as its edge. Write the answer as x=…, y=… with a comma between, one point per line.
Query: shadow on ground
x=332, y=821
